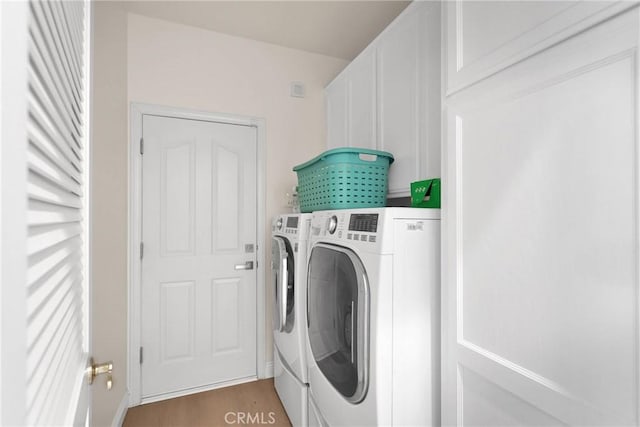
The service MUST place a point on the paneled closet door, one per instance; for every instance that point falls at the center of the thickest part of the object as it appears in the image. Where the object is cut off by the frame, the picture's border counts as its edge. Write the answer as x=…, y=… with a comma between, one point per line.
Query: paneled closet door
x=541, y=267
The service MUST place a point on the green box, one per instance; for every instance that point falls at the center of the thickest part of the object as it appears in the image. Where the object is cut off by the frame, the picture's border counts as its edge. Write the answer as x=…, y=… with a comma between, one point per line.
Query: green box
x=425, y=194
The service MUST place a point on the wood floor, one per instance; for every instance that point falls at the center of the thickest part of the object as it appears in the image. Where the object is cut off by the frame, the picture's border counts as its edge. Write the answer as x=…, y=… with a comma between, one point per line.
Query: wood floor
x=250, y=404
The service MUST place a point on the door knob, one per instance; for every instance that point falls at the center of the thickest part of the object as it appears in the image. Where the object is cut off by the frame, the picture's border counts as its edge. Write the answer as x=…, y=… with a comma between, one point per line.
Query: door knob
x=95, y=369
x=246, y=266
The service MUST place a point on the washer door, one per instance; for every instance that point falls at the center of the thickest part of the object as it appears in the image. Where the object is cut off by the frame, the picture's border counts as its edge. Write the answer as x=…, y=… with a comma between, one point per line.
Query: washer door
x=338, y=318
x=282, y=265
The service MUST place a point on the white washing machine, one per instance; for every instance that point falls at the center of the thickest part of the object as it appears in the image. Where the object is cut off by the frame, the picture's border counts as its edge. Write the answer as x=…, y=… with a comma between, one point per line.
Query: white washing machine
x=289, y=285
x=374, y=317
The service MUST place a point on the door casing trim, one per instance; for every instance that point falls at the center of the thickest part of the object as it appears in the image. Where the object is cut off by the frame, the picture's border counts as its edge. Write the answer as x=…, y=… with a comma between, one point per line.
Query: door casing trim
x=134, y=324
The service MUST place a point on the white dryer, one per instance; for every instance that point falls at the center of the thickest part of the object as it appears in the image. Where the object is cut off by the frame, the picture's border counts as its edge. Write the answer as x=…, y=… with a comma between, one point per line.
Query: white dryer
x=374, y=317
x=289, y=267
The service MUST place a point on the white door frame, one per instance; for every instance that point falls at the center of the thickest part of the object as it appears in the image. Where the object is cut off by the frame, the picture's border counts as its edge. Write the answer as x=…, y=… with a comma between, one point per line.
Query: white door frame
x=135, y=235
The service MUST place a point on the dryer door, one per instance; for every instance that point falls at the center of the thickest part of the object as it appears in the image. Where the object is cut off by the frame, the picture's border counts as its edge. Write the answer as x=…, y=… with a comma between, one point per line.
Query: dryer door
x=282, y=265
x=338, y=318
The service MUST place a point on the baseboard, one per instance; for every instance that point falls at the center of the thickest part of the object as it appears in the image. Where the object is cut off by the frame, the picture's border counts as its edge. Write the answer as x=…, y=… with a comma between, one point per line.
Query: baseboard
x=121, y=412
x=268, y=370
x=194, y=390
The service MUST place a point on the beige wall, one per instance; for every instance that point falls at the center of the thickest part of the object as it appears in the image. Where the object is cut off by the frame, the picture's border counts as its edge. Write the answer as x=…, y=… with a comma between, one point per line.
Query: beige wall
x=109, y=205
x=180, y=66
x=138, y=59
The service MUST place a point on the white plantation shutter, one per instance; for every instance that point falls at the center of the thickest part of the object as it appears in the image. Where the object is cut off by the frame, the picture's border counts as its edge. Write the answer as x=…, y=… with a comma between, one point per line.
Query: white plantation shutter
x=56, y=289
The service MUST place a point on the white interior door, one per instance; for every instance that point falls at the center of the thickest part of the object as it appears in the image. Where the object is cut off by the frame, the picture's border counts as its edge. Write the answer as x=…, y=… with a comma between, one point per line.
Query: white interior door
x=540, y=296
x=199, y=236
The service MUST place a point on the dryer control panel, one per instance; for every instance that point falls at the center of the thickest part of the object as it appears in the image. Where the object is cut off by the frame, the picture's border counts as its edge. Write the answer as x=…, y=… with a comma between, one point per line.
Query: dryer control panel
x=347, y=225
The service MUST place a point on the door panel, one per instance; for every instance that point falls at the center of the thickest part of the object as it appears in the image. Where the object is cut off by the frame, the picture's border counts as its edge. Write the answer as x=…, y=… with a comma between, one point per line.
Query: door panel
x=178, y=199
x=226, y=309
x=541, y=273
x=227, y=199
x=198, y=311
x=176, y=318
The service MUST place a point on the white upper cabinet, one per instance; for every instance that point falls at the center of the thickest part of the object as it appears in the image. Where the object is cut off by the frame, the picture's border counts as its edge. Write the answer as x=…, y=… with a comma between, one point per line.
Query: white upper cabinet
x=392, y=97
x=361, y=96
x=399, y=100
x=351, y=104
x=484, y=37
x=336, y=102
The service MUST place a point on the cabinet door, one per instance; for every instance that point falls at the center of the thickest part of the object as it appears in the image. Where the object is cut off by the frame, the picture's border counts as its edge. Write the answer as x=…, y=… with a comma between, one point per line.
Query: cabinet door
x=540, y=294
x=361, y=101
x=336, y=98
x=484, y=37
x=399, y=100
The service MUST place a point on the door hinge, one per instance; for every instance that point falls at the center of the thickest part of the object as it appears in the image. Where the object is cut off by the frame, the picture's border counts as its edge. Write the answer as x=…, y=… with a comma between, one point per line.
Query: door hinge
x=141, y=250
x=141, y=358
x=141, y=146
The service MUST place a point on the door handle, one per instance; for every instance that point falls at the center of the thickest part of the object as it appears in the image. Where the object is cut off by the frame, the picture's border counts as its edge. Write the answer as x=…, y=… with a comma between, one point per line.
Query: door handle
x=246, y=266
x=95, y=369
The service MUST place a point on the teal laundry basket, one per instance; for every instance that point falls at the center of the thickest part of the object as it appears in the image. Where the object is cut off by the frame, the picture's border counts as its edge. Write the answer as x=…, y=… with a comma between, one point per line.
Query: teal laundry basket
x=344, y=178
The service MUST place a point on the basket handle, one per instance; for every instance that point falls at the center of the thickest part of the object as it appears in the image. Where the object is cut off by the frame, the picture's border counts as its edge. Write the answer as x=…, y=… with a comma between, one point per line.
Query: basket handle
x=367, y=157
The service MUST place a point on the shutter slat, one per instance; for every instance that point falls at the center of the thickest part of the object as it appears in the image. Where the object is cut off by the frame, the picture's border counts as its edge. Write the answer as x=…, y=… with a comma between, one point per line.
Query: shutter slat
x=45, y=39
x=72, y=17
x=51, y=172
x=45, y=374
x=56, y=401
x=53, y=103
x=43, y=214
x=56, y=139
x=52, y=91
x=43, y=325
x=40, y=238
x=47, y=117
x=42, y=290
x=44, y=108
x=44, y=190
x=56, y=19
x=46, y=260
x=52, y=24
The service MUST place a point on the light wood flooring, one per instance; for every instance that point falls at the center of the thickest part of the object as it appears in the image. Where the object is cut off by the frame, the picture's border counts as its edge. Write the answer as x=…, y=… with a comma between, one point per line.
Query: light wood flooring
x=249, y=404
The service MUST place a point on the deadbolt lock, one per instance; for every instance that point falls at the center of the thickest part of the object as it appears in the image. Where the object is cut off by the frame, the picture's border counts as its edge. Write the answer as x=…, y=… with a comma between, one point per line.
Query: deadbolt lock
x=100, y=369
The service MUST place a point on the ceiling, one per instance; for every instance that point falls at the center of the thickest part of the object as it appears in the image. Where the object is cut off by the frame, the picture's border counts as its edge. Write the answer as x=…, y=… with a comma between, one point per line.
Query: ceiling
x=335, y=28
